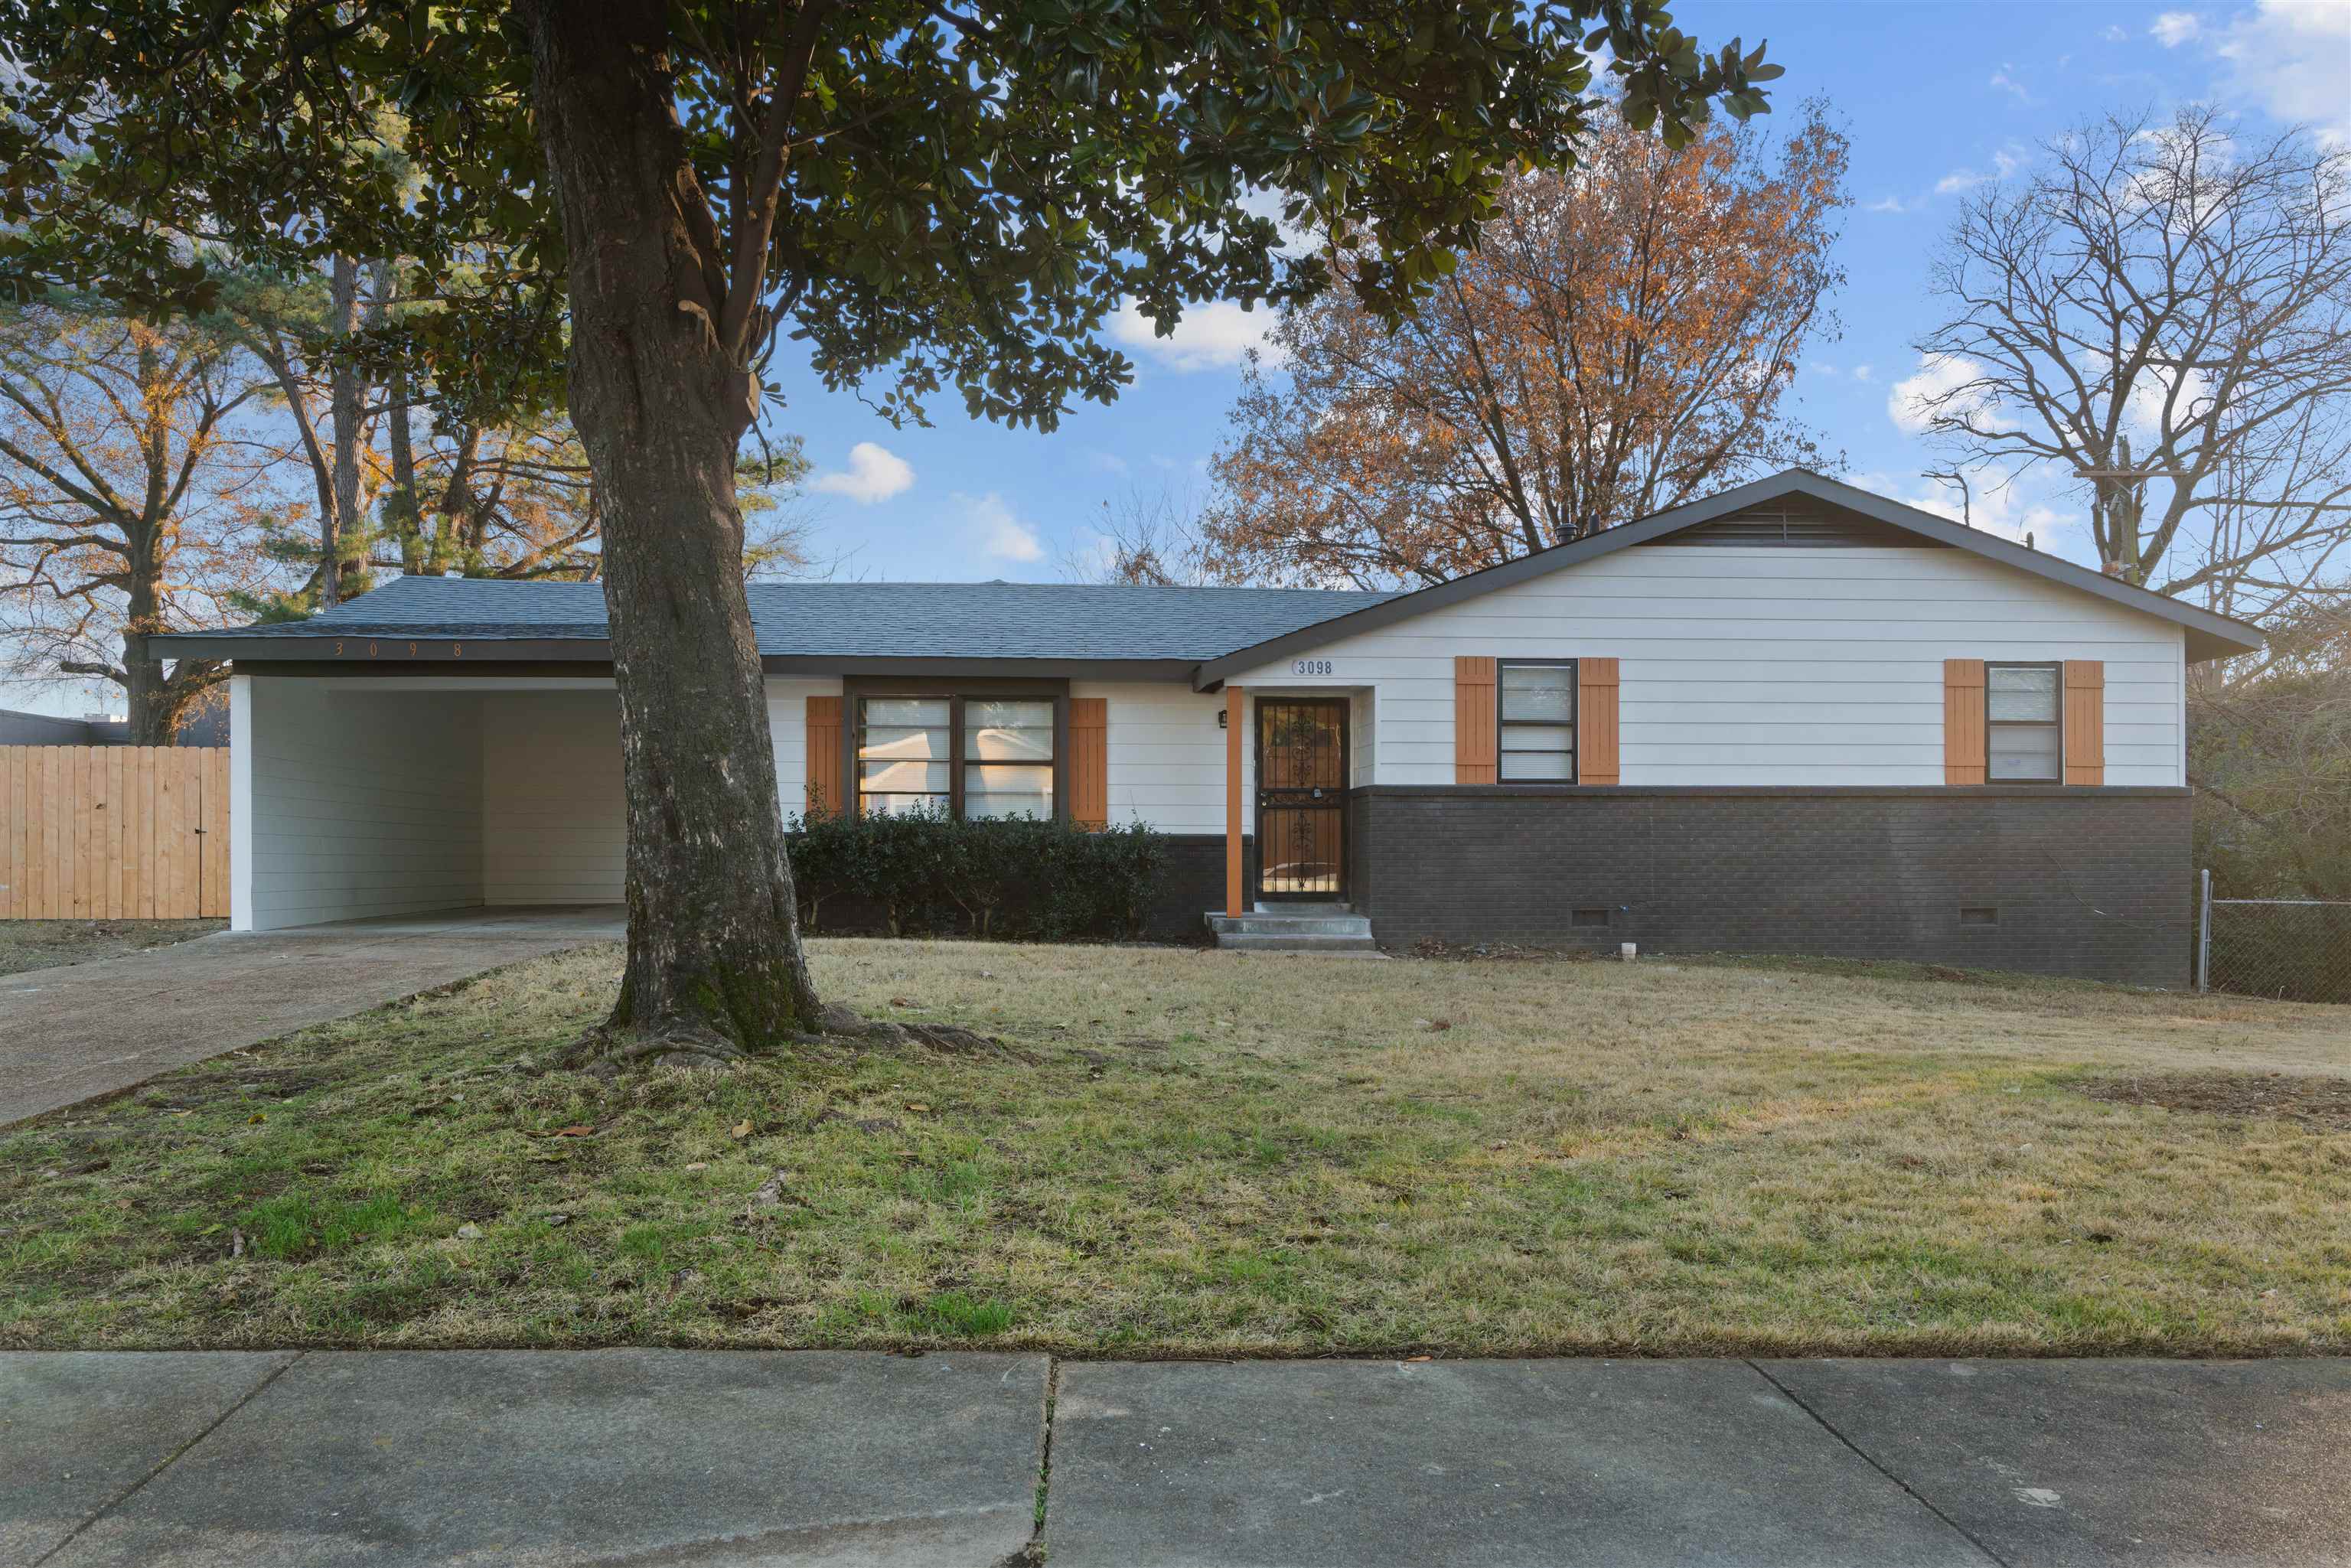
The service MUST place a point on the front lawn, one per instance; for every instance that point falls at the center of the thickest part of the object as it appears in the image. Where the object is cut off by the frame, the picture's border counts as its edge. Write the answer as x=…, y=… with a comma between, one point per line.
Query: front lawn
x=1196, y=1153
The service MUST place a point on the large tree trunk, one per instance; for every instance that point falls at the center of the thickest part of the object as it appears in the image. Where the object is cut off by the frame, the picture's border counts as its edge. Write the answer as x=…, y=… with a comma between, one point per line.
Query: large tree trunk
x=146, y=699
x=714, y=965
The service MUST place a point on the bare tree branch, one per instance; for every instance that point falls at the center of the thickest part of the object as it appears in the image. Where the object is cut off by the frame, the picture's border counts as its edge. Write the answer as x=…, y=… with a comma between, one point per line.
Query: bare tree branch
x=2161, y=314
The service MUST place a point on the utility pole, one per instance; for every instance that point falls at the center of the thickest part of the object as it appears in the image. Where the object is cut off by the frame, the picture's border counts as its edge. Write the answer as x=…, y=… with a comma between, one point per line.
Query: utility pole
x=2121, y=501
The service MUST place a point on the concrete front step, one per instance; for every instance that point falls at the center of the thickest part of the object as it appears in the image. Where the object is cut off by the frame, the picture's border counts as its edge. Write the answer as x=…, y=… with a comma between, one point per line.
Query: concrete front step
x=1312, y=930
x=1290, y=925
x=1294, y=942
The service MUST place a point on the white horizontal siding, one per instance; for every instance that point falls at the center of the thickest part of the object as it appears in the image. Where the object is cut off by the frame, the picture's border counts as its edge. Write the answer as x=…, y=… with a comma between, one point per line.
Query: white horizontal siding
x=555, y=815
x=1362, y=738
x=787, y=732
x=557, y=809
x=1166, y=755
x=357, y=802
x=1768, y=665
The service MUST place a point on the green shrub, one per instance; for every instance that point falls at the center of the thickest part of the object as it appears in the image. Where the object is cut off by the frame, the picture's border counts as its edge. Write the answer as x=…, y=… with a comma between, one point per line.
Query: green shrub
x=923, y=871
x=824, y=850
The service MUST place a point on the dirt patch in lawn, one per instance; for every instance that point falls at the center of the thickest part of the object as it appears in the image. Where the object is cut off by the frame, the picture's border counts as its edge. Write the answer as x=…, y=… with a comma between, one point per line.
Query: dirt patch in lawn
x=2314, y=1102
x=27, y=944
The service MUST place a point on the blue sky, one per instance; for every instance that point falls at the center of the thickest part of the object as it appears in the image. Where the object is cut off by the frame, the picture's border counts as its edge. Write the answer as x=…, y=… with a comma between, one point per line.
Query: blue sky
x=1934, y=96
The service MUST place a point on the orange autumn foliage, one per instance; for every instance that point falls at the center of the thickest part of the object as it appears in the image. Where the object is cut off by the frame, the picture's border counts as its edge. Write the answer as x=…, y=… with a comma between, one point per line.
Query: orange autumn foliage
x=1622, y=340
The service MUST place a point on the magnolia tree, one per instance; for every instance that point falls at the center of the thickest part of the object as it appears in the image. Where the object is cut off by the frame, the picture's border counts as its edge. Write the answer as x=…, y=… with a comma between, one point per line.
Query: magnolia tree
x=648, y=200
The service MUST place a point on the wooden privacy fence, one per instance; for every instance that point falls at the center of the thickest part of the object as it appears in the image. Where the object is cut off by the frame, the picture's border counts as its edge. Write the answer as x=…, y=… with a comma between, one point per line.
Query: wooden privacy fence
x=113, y=832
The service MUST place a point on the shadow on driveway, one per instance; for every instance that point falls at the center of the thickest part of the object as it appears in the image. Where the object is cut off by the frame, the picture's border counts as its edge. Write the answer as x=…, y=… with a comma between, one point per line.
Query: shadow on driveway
x=68, y=1033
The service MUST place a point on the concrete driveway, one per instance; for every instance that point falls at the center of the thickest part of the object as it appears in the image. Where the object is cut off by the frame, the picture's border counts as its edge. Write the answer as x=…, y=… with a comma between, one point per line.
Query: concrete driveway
x=81, y=1029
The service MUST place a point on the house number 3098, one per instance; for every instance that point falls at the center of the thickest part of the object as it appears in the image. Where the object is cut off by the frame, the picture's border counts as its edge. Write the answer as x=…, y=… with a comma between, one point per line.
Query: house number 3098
x=1310, y=667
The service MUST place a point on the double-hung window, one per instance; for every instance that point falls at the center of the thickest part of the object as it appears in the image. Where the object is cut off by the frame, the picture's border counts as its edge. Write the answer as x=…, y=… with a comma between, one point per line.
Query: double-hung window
x=969, y=757
x=2022, y=735
x=1008, y=757
x=906, y=759
x=1537, y=732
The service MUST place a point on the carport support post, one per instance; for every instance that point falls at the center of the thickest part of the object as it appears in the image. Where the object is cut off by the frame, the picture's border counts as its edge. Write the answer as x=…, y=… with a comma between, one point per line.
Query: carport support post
x=240, y=802
x=1235, y=715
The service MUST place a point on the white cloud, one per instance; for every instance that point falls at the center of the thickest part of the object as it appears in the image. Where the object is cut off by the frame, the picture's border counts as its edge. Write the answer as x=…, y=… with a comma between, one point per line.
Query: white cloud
x=999, y=533
x=1095, y=555
x=2290, y=56
x=1863, y=373
x=2152, y=389
x=1886, y=205
x=1212, y=336
x=2116, y=33
x=2173, y=28
x=2005, y=161
x=2007, y=83
x=1936, y=375
x=1267, y=204
x=1995, y=503
x=874, y=473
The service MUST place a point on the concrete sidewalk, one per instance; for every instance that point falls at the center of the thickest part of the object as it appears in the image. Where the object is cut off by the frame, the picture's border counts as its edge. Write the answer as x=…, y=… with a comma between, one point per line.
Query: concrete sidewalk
x=735, y=1458
x=78, y=1029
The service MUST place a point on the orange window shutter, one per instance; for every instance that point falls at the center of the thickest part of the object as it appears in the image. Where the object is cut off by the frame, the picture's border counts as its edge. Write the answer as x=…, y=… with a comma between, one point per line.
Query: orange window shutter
x=1596, y=722
x=2085, y=721
x=1089, y=761
x=823, y=755
x=1474, y=717
x=1963, y=721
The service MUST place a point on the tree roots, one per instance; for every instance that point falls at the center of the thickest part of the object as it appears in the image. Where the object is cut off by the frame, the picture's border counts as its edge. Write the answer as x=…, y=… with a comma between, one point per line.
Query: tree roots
x=839, y=1023
x=609, y=1050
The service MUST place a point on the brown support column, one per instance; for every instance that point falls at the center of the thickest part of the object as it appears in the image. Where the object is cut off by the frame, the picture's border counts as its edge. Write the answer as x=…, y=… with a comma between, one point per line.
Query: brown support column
x=1235, y=721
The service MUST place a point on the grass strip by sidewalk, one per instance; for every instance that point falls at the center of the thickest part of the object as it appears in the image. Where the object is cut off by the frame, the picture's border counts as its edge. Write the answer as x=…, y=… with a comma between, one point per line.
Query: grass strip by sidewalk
x=1190, y=1153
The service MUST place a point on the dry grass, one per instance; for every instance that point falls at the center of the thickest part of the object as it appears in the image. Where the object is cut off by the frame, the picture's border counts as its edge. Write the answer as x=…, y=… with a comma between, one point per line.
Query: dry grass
x=43, y=944
x=1196, y=1153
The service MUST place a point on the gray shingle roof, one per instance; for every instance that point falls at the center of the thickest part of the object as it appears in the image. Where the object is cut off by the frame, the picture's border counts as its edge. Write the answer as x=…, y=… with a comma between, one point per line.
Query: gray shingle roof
x=868, y=620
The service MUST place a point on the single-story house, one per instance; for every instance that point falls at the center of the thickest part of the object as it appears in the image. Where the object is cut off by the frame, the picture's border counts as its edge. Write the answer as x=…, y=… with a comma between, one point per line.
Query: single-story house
x=1792, y=717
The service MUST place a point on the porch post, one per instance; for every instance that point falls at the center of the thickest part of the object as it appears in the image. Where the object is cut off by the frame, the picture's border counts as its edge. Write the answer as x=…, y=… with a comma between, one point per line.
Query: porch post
x=1235, y=722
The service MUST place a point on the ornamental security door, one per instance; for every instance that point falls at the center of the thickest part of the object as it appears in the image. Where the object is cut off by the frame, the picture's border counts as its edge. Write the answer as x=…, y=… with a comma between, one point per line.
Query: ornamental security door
x=1301, y=799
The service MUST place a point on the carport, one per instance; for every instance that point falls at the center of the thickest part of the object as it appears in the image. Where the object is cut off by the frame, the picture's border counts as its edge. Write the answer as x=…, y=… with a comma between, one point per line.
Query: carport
x=361, y=799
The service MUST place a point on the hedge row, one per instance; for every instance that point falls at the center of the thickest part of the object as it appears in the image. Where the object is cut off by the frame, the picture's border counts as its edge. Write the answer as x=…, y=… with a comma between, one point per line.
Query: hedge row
x=923, y=873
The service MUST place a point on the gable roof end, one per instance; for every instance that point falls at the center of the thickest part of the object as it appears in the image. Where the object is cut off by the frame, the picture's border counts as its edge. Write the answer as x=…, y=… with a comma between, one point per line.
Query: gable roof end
x=2209, y=635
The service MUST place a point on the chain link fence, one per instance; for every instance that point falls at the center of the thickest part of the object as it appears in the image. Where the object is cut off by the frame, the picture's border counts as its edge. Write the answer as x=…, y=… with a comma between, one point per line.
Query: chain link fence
x=2294, y=949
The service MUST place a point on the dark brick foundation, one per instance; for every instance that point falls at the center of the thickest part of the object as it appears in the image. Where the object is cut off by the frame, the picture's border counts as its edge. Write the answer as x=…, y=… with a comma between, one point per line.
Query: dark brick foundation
x=2090, y=883
x=1194, y=884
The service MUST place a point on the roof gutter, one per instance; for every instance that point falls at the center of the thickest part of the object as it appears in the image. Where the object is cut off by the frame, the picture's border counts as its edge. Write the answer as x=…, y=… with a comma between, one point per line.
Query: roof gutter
x=378, y=647
x=359, y=652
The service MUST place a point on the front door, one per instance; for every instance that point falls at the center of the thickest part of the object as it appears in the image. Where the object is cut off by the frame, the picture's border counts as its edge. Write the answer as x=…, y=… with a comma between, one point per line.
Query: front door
x=1301, y=799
